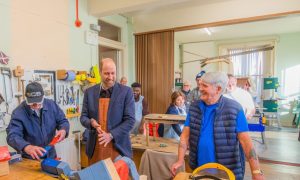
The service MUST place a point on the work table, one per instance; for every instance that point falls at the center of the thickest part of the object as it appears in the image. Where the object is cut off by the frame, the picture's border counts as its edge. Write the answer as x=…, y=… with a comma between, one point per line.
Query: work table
x=26, y=169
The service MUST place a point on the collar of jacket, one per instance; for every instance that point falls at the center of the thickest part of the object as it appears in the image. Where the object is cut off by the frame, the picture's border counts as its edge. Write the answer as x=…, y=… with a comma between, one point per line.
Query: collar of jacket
x=30, y=111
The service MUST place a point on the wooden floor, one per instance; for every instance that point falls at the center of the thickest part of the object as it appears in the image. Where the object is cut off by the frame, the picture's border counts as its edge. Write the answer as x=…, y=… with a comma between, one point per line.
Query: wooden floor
x=279, y=156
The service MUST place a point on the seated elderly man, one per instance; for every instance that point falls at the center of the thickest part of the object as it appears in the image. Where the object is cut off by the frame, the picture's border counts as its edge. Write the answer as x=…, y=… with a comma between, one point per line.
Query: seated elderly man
x=216, y=131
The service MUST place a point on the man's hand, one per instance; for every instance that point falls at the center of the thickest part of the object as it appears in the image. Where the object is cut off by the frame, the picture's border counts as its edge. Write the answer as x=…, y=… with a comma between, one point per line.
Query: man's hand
x=104, y=138
x=175, y=166
x=34, y=151
x=95, y=125
x=62, y=134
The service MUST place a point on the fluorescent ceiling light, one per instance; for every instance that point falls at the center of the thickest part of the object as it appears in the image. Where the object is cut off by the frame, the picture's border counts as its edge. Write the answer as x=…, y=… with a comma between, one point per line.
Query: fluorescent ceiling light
x=207, y=31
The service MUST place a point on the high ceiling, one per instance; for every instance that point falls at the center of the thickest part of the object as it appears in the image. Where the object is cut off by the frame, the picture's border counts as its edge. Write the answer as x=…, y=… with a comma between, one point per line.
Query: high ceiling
x=252, y=29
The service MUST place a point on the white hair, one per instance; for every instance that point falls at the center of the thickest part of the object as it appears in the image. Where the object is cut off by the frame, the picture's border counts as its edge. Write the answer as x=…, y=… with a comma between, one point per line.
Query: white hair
x=216, y=79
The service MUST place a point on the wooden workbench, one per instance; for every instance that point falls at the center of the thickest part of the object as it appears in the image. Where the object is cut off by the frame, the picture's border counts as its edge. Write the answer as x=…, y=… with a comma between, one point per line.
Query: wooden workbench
x=139, y=143
x=139, y=146
x=26, y=169
x=161, y=118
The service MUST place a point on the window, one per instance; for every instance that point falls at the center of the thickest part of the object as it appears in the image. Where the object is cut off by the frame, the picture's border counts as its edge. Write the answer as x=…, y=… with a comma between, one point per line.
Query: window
x=250, y=65
x=109, y=31
x=291, y=81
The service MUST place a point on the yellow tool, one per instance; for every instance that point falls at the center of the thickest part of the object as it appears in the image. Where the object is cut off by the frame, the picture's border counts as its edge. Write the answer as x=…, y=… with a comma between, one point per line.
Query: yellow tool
x=91, y=80
x=63, y=177
x=214, y=166
x=80, y=77
x=95, y=73
x=264, y=120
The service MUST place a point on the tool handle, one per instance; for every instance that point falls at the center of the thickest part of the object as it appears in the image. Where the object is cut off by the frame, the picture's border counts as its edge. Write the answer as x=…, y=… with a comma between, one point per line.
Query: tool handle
x=47, y=148
x=54, y=140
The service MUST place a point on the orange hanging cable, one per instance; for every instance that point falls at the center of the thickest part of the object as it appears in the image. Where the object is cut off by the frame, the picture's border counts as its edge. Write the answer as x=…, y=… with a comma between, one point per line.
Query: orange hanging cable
x=77, y=21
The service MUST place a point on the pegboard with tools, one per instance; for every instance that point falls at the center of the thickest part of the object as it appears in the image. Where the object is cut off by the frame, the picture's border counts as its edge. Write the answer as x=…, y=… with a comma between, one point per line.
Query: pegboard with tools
x=68, y=97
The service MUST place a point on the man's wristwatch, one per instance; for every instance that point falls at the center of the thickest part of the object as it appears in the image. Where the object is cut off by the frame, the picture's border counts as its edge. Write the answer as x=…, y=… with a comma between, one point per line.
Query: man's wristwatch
x=258, y=171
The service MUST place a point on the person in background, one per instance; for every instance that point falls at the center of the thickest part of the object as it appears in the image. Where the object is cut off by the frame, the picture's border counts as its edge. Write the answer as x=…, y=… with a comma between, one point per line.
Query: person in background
x=35, y=122
x=216, y=130
x=195, y=93
x=251, y=88
x=141, y=109
x=108, y=116
x=241, y=96
x=176, y=107
x=123, y=81
x=186, y=89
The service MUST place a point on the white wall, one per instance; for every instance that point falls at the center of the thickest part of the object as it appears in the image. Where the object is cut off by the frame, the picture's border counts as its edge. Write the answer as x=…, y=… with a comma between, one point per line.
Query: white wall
x=177, y=59
x=127, y=40
x=41, y=35
x=202, y=49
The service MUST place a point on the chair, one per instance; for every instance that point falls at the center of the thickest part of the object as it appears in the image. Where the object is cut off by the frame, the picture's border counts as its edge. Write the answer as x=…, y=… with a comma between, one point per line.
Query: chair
x=260, y=127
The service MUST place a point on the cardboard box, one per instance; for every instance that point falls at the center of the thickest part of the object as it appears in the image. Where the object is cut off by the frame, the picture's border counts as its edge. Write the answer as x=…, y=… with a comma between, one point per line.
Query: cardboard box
x=4, y=168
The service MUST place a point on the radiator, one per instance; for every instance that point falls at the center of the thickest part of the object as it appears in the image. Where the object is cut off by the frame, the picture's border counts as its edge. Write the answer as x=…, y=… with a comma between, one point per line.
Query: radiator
x=68, y=151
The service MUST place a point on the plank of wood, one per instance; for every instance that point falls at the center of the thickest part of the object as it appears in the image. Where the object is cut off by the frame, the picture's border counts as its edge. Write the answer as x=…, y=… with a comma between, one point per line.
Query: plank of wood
x=165, y=117
x=162, y=118
x=139, y=142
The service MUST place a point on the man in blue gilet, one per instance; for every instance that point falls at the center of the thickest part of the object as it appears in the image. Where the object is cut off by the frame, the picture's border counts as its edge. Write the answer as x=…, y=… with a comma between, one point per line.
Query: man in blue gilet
x=216, y=131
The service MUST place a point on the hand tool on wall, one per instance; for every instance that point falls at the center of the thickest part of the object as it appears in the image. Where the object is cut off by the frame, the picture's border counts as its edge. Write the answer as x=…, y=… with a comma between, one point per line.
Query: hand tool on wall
x=7, y=73
x=23, y=88
x=58, y=95
x=1, y=99
x=63, y=95
x=72, y=99
x=77, y=101
x=18, y=73
x=67, y=96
